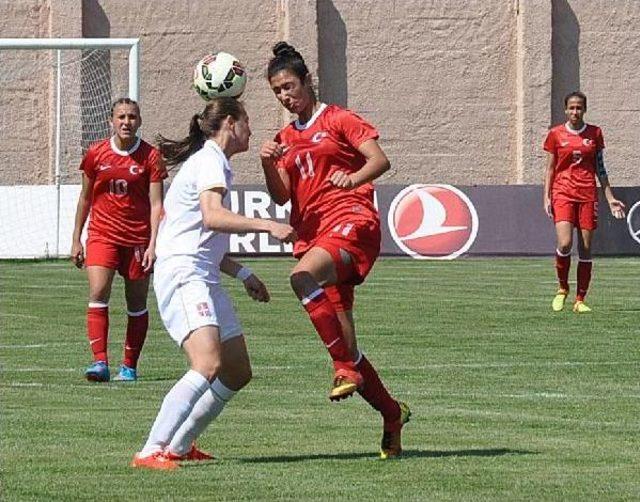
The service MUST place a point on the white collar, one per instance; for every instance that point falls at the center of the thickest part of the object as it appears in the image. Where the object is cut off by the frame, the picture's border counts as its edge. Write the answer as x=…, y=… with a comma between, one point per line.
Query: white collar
x=309, y=123
x=573, y=131
x=124, y=153
x=212, y=144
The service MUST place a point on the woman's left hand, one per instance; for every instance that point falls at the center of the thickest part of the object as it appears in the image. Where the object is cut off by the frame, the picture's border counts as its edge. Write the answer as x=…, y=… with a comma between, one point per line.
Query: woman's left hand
x=148, y=258
x=256, y=289
x=617, y=208
x=343, y=180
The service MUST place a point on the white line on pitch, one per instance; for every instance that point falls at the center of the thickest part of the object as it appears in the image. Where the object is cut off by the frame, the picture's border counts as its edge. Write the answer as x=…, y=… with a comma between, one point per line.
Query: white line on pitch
x=32, y=346
x=528, y=416
x=511, y=365
x=39, y=370
x=22, y=316
x=24, y=384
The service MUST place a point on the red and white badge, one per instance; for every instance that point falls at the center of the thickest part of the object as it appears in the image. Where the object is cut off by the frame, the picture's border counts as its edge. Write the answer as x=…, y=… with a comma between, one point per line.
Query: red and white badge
x=433, y=221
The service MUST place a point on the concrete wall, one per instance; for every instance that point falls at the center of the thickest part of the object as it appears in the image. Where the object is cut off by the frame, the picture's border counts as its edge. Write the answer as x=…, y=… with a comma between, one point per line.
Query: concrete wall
x=24, y=100
x=462, y=91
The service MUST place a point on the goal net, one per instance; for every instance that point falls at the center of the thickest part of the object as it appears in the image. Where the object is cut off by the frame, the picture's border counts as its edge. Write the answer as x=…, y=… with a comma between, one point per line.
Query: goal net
x=55, y=101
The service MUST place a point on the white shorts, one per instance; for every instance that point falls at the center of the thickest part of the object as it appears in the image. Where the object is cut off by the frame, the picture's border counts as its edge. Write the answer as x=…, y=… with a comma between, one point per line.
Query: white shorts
x=187, y=306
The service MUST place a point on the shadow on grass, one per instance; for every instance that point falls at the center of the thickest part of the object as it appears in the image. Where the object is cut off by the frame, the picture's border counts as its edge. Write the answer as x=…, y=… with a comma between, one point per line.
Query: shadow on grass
x=491, y=452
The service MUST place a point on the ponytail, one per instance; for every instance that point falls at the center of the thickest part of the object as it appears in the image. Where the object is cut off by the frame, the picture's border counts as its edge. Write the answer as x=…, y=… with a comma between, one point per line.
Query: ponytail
x=177, y=151
x=202, y=126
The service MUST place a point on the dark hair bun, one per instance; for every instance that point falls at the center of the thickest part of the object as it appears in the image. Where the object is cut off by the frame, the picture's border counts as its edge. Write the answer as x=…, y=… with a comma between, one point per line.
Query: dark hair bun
x=284, y=49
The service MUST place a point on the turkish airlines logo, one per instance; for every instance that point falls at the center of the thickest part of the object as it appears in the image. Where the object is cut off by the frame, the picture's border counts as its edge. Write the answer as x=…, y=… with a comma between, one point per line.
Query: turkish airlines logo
x=433, y=221
x=633, y=222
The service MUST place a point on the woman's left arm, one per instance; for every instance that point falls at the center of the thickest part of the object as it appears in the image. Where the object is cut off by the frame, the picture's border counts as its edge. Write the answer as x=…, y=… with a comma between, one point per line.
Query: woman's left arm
x=616, y=206
x=377, y=164
x=155, y=196
x=252, y=284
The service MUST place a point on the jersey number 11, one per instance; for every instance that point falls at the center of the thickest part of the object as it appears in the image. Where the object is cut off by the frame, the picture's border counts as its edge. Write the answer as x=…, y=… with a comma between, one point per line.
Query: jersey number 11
x=306, y=171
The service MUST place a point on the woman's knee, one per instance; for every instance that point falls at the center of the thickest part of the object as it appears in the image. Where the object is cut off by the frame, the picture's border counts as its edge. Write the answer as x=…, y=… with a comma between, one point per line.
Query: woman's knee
x=99, y=294
x=208, y=366
x=584, y=253
x=244, y=377
x=302, y=282
x=565, y=245
x=207, y=370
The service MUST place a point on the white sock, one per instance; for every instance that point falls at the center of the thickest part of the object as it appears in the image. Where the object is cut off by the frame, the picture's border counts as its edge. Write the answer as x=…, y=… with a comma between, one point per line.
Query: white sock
x=176, y=406
x=203, y=413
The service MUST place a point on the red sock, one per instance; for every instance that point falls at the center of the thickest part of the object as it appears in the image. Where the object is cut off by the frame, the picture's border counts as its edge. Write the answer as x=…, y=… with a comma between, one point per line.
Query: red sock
x=584, y=278
x=562, y=269
x=98, y=330
x=137, y=325
x=374, y=393
x=324, y=318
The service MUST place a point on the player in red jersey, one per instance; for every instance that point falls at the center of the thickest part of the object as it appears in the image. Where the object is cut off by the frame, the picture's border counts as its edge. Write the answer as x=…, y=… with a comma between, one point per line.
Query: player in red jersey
x=575, y=159
x=122, y=189
x=324, y=163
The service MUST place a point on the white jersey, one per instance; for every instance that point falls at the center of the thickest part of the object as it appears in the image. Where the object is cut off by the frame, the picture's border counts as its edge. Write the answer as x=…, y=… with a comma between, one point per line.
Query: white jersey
x=184, y=244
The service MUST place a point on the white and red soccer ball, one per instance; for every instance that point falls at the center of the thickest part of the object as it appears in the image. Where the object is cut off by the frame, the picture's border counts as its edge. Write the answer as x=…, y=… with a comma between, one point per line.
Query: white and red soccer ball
x=219, y=75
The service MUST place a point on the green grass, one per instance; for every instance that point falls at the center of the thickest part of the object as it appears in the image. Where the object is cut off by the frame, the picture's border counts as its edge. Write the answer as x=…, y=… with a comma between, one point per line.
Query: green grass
x=509, y=400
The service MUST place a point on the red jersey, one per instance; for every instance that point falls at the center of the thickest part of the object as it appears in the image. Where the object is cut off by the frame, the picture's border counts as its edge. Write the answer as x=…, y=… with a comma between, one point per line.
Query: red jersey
x=120, y=208
x=574, y=173
x=328, y=142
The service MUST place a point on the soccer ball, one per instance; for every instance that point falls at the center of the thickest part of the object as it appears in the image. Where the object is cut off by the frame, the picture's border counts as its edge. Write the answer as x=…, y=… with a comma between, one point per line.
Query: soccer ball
x=218, y=75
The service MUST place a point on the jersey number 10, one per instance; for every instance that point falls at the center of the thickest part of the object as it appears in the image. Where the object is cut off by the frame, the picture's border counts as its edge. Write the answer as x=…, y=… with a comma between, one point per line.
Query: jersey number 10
x=118, y=187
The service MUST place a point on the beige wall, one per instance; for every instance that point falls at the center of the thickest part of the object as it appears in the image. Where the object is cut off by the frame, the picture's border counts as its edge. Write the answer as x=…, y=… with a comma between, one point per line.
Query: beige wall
x=462, y=91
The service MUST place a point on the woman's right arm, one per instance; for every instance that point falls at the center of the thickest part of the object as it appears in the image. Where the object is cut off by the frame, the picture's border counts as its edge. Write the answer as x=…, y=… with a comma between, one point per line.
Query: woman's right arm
x=82, y=211
x=218, y=218
x=277, y=180
x=548, y=180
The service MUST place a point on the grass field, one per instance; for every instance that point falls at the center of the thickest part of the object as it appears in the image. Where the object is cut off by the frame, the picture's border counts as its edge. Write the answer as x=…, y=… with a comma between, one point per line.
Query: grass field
x=509, y=400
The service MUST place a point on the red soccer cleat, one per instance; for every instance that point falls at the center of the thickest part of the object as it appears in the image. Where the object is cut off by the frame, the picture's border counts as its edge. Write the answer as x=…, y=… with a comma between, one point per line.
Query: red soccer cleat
x=345, y=383
x=193, y=454
x=158, y=461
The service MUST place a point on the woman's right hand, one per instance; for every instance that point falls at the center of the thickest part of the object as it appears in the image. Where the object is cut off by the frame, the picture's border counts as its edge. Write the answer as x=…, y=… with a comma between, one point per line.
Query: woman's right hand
x=77, y=254
x=270, y=152
x=283, y=232
x=548, y=209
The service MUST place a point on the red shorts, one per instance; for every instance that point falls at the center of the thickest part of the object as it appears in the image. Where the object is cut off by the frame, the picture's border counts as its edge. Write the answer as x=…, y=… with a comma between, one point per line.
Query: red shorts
x=583, y=215
x=126, y=260
x=361, y=241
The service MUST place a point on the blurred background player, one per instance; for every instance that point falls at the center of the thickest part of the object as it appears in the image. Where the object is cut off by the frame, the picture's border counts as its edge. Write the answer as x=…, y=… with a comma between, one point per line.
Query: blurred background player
x=122, y=190
x=575, y=158
x=196, y=311
x=324, y=162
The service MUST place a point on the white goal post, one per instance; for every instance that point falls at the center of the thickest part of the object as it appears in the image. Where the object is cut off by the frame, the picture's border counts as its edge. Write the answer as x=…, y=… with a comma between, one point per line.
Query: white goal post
x=133, y=44
x=77, y=86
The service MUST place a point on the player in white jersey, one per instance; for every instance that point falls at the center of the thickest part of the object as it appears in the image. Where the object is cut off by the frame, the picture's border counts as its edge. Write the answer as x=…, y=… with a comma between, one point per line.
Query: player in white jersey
x=191, y=252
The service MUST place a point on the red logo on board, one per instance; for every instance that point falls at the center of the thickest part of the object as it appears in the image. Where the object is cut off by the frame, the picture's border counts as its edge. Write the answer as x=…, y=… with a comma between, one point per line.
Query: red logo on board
x=433, y=221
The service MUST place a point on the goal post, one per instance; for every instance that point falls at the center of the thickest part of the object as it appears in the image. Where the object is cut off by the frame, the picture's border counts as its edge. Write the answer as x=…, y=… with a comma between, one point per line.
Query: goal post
x=67, y=84
x=133, y=44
